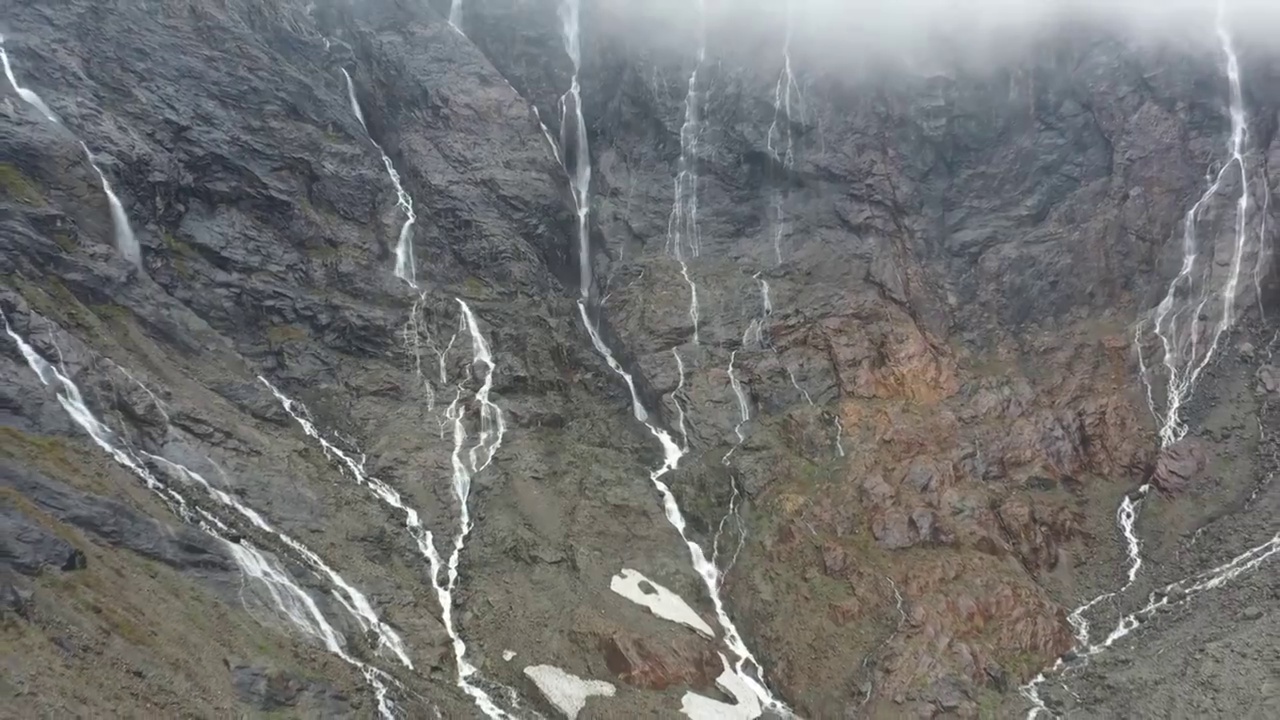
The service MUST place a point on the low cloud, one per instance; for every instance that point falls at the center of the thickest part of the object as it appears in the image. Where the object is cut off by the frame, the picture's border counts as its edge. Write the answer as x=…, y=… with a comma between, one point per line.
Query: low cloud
x=887, y=29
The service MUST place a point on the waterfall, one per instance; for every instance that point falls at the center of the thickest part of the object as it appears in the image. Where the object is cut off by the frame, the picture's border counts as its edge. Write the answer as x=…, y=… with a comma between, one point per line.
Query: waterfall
x=126, y=242
x=26, y=95
x=780, y=132
x=1184, y=360
x=404, y=269
x=682, y=225
x=477, y=458
x=290, y=599
x=577, y=165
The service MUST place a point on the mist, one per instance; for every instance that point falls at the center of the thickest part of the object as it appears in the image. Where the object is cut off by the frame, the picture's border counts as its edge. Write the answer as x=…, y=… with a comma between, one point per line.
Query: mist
x=855, y=32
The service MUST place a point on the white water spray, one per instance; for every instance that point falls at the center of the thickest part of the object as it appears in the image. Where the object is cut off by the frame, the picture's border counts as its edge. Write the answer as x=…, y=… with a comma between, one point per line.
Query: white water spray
x=455, y=15
x=492, y=424
x=744, y=407
x=675, y=398
x=26, y=95
x=746, y=669
x=579, y=170
x=413, y=332
x=1184, y=358
x=755, y=333
x=480, y=455
x=1175, y=593
x=404, y=244
x=682, y=225
x=671, y=452
x=290, y=599
x=444, y=592
x=1263, y=252
x=779, y=142
x=492, y=429
x=126, y=242
x=351, y=598
x=735, y=512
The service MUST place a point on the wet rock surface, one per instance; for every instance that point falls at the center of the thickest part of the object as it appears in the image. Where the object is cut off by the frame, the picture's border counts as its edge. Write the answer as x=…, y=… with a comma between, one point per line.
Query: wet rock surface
x=29, y=548
x=919, y=319
x=274, y=690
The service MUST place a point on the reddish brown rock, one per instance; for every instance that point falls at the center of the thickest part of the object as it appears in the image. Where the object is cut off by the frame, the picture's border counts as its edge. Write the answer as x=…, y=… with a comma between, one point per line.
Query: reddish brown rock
x=1178, y=465
x=648, y=664
x=834, y=558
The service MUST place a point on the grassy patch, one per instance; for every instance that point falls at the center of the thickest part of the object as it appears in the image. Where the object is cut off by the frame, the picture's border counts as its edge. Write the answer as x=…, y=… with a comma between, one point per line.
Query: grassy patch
x=51, y=454
x=281, y=334
x=19, y=186
x=989, y=703
x=180, y=253
x=475, y=287
x=323, y=253
x=65, y=241
x=111, y=312
x=177, y=246
x=28, y=508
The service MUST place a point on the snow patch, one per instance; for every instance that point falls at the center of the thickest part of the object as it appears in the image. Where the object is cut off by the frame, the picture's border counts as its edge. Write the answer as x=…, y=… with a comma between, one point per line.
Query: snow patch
x=701, y=707
x=660, y=601
x=567, y=692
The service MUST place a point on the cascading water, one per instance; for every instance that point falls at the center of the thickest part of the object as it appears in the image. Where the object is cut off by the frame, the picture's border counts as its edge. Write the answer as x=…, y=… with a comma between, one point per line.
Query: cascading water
x=746, y=663
x=455, y=15
x=744, y=408
x=746, y=668
x=492, y=424
x=478, y=457
x=682, y=225
x=779, y=140
x=675, y=398
x=756, y=328
x=1263, y=254
x=412, y=333
x=735, y=512
x=293, y=602
x=579, y=169
x=492, y=428
x=404, y=269
x=1184, y=360
x=126, y=241
x=26, y=95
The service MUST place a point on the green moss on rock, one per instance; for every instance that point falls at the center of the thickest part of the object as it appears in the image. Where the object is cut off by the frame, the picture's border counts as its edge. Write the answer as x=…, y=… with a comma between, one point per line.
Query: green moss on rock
x=19, y=186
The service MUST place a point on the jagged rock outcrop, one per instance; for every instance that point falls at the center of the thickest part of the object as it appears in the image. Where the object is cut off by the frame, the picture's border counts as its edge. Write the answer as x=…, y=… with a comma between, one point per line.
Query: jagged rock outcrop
x=911, y=401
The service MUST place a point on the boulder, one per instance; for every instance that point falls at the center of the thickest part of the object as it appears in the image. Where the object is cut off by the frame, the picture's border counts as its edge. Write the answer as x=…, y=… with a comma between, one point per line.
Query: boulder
x=29, y=547
x=1178, y=465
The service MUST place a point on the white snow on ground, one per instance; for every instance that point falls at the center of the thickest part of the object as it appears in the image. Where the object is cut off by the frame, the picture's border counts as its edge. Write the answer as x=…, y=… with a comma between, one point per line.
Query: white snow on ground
x=567, y=692
x=637, y=588
x=701, y=707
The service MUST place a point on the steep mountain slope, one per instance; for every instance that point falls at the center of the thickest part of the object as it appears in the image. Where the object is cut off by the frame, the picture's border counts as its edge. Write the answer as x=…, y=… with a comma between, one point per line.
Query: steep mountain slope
x=897, y=320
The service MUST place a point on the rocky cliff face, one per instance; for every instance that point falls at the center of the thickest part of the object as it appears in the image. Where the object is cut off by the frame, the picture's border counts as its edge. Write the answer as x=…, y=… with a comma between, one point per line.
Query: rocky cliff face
x=910, y=389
